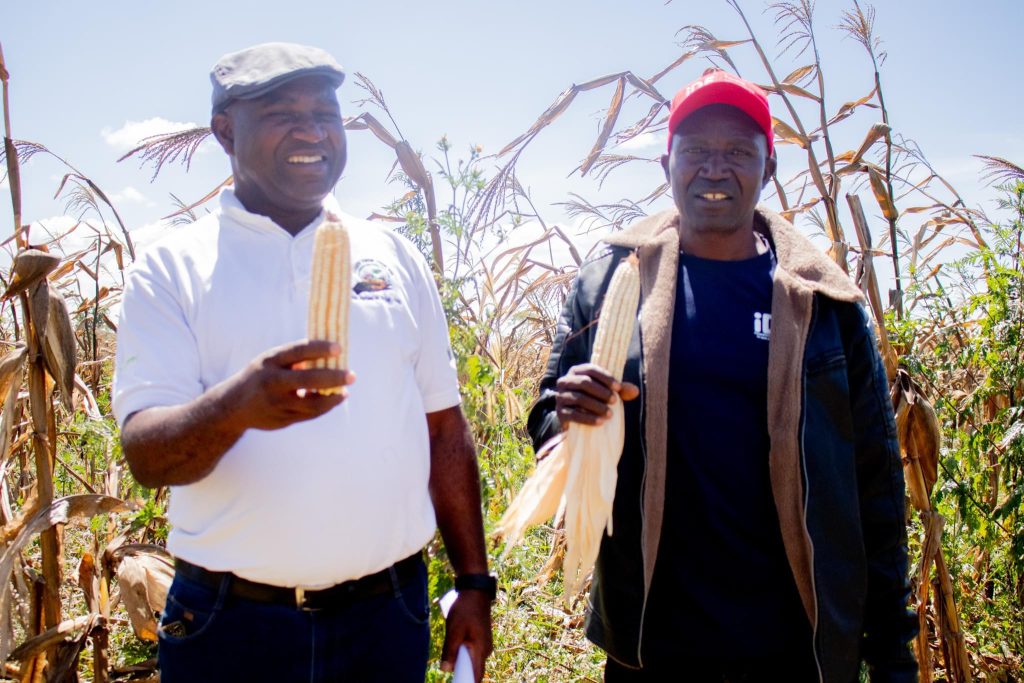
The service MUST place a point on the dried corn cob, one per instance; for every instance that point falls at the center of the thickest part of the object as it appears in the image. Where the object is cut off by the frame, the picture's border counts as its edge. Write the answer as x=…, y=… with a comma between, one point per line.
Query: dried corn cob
x=329, y=292
x=584, y=459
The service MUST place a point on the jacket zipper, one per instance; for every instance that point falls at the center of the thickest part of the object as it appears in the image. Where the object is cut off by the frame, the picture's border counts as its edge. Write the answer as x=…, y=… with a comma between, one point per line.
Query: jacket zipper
x=643, y=484
x=807, y=495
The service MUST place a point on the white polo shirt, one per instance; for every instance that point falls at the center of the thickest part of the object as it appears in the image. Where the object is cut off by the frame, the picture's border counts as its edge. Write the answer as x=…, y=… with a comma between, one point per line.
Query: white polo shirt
x=321, y=501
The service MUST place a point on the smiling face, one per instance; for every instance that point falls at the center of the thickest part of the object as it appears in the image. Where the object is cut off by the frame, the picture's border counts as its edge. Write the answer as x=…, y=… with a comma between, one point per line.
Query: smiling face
x=287, y=149
x=717, y=166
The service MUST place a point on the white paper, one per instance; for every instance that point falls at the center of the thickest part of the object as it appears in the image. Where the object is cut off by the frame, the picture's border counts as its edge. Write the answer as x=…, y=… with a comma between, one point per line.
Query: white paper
x=463, y=672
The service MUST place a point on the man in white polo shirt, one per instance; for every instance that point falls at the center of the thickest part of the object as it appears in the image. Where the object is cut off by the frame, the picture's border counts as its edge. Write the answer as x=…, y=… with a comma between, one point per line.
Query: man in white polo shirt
x=298, y=518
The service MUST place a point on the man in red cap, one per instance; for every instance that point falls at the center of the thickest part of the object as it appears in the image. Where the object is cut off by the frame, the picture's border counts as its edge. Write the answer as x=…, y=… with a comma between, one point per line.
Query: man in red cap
x=759, y=512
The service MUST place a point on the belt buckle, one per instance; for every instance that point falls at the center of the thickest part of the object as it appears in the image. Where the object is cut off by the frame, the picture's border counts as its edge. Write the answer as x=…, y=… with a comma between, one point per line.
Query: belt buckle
x=300, y=599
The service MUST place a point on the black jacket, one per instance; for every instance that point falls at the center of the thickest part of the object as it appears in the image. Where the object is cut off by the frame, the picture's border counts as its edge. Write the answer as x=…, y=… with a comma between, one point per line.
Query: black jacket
x=835, y=465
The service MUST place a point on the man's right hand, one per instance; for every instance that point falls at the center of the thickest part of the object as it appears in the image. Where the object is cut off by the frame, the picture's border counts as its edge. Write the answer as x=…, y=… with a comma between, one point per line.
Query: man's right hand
x=279, y=388
x=181, y=444
x=585, y=393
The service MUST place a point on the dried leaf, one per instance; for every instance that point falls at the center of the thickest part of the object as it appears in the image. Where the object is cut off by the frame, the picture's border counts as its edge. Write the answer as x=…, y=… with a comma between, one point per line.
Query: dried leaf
x=723, y=44
x=29, y=267
x=550, y=114
x=70, y=630
x=796, y=75
x=882, y=194
x=59, y=348
x=850, y=107
x=366, y=121
x=785, y=133
x=919, y=435
x=792, y=90
x=228, y=182
x=39, y=308
x=59, y=511
x=11, y=367
x=10, y=411
x=644, y=86
x=877, y=131
x=606, y=130
x=144, y=576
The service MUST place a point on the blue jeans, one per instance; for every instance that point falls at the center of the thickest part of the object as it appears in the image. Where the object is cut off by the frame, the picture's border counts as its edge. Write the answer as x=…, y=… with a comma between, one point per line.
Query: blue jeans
x=206, y=634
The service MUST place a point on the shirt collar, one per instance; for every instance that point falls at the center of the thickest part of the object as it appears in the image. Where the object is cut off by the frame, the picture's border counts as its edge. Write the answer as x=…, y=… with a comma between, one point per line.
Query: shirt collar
x=233, y=209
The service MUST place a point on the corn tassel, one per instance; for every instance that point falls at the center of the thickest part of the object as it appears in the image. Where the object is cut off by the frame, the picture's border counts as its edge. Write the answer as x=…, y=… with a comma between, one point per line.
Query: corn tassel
x=330, y=281
x=584, y=459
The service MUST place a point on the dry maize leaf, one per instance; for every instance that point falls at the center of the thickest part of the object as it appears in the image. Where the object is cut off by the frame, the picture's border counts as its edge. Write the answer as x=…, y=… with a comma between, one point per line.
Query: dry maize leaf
x=58, y=512
x=39, y=309
x=553, y=112
x=607, y=128
x=599, y=81
x=67, y=630
x=59, y=348
x=88, y=581
x=723, y=44
x=144, y=578
x=784, y=132
x=228, y=182
x=29, y=267
x=798, y=91
x=848, y=108
x=539, y=498
x=11, y=365
x=366, y=121
x=797, y=74
x=882, y=194
x=918, y=431
x=644, y=87
x=924, y=440
x=877, y=131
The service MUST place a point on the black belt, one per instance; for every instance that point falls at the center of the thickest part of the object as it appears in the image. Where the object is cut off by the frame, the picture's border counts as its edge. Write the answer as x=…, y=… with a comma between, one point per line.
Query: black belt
x=340, y=595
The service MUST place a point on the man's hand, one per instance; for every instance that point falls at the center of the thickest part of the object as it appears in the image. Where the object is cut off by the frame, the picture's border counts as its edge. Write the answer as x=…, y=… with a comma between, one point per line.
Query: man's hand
x=584, y=394
x=469, y=624
x=279, y=389
x=181, y=444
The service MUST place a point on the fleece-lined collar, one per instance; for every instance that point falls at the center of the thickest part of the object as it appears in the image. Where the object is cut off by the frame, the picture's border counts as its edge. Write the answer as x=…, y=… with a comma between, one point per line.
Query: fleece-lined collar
x=802, y=272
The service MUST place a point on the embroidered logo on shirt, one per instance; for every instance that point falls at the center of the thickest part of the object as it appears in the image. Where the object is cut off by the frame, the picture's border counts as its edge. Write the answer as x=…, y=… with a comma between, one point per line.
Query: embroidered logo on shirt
x=374, y=280
x=763, y=325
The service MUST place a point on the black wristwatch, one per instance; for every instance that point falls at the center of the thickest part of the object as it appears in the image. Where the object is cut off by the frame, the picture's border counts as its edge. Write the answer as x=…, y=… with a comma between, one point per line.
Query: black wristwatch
x=478, y=582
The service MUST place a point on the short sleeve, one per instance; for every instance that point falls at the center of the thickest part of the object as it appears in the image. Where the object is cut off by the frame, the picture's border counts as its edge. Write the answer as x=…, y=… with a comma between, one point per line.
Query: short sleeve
x=157, y=361
x=436, y=373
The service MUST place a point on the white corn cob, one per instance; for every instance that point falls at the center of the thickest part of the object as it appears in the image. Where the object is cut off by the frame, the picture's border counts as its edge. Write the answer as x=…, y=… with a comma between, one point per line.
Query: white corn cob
x=618, y=315
x=584, y=460
x=329, y=285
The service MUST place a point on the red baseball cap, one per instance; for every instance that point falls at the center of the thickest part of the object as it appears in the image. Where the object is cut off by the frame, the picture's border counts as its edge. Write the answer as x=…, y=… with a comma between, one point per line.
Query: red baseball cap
x=720, y=87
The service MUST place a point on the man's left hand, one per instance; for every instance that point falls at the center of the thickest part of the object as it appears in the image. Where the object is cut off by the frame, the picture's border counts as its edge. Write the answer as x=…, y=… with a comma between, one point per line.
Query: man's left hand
x=469, y=624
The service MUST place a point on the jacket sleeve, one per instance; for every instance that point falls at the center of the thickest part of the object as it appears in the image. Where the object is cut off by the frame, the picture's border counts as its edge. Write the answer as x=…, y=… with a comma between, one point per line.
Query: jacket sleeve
x=889, y=625
x=569, y=348
x=574, y=338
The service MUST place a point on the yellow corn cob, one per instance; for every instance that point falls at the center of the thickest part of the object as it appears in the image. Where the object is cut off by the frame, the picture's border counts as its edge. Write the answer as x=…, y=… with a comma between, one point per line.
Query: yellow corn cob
x=329, y=285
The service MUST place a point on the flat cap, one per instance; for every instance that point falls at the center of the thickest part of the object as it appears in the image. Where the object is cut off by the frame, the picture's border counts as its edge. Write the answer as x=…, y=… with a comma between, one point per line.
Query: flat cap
x=257, y=70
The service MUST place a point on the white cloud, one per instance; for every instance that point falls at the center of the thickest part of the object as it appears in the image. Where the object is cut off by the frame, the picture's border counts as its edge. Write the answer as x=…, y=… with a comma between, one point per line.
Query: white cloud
x=642, y=141
x=129, y=195
x=132, y=132
x=150, y=232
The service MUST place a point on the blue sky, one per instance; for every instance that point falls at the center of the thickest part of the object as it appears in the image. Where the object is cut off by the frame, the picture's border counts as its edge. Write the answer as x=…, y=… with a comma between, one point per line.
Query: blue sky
x=82, y=73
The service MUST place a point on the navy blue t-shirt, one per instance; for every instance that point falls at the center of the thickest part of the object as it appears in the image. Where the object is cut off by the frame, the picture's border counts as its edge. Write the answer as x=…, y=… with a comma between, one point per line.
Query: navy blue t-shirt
x=722, y=584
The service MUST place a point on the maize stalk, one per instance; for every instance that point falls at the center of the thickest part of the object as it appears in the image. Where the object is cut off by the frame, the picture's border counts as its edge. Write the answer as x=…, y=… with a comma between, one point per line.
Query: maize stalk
x=580, y=470
x=329, y=285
